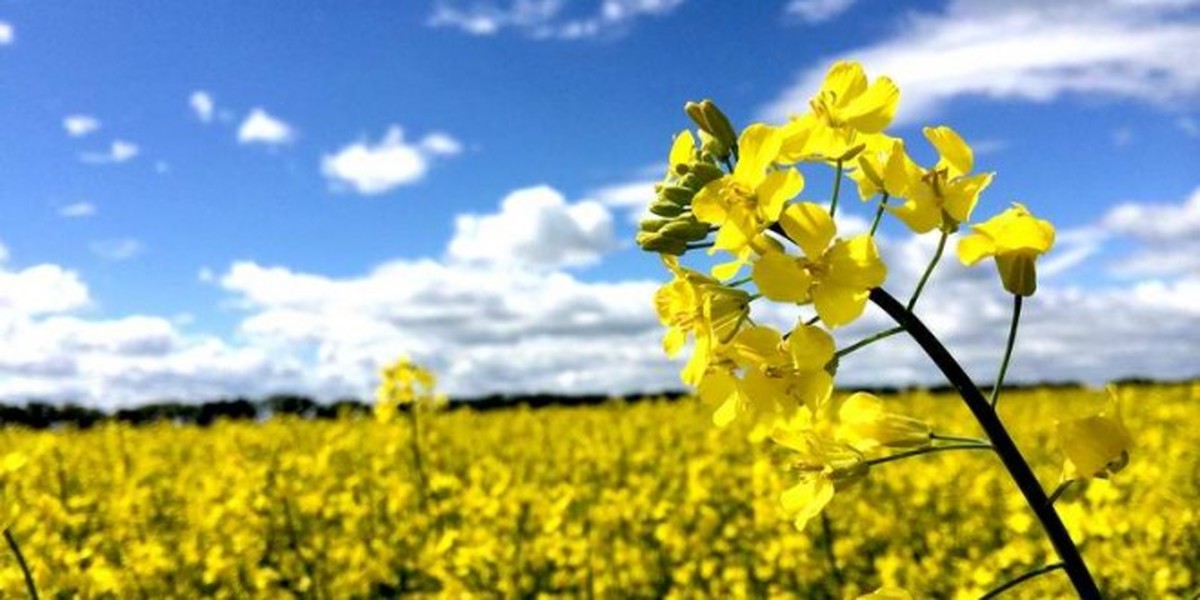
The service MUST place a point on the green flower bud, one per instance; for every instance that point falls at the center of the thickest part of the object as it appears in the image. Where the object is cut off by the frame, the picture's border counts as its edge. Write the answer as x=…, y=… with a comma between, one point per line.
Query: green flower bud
x=654, y=242
x=677, y=195
x=691, y=182
x=665, y=209
x=688, y=230
x=652, y=225
x=718, y=124
x=706, y=172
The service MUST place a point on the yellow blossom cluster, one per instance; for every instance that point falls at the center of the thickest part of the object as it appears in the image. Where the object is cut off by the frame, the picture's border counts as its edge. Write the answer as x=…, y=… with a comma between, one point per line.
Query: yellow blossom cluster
x=615, y=501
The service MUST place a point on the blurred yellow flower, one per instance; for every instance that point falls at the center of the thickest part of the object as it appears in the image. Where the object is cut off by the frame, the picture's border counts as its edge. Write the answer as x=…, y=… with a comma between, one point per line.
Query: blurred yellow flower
x=864, y=424
x=1096, y=446
x=1016, y=238
x=404, y=383
x=823, y=465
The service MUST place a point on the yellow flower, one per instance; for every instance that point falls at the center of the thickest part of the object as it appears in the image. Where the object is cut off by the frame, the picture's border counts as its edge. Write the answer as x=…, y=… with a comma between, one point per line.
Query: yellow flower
x=842, y=113
x=1096, y=446
x=697, y=305
x=1016, y=238
x=836, y=278
x=777, y=376
x=823, y=466
x=945, y=195
x=864, y=424
x=745, y=202
x=404, y=383
x=887, y=593
x=884, y=166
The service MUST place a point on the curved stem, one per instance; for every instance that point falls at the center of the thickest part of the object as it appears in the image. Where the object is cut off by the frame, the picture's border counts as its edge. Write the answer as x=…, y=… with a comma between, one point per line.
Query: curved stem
x=1005, y=447
x=937, y=256
x=837, y=190
x=926, y=450
x=827, y=541
x=954, y=438
x=1058, y=491
x=879, y=213
x=1012, y=337
x=882, y=335
x=1022, y=579
x=12, y=543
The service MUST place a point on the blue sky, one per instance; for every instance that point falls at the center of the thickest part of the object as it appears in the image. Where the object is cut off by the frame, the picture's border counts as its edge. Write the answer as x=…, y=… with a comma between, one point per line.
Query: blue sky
x=222, y=197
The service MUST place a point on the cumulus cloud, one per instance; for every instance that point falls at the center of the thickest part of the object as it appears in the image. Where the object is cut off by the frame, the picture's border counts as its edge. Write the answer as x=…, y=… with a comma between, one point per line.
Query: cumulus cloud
x=78, y=210
x=817, y=11
x=546, y=19
x=80, y=125
x=371, y=169
x=1167, y=236
x=7, y=34
x=202, y=105
x=117, y=249
x=1027, y=50
x=535, y=227
x=259, y=127
x=118, y=152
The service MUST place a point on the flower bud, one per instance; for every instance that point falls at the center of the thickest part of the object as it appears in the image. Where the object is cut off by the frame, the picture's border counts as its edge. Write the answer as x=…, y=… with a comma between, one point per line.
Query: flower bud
x=718, y=124
x=652, y=225
x=677, y=195
x=706, y=172
x=665, y=209
x=654, y=242
x=688, y=230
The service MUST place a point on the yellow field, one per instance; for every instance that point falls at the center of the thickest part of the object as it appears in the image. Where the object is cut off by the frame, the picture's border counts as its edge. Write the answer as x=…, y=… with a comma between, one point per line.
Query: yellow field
x=646, y=500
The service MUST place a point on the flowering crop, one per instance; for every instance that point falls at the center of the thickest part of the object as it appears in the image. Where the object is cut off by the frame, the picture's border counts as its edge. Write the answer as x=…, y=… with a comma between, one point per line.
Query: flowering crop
x=638, y=500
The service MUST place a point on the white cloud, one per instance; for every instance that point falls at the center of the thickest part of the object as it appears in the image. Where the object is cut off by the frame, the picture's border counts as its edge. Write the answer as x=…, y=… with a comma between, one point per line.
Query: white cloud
x=1168, y=237
x=371, y=169
x=77, y=210
x=535, y=227
x=202, y=105
x=546, y=19
x=817, y=11
x=118, y=152
x=259, y=127
x=1027, y=50
x=117, y=249
x=634, y=197
x=7, y=33
x=80, y=125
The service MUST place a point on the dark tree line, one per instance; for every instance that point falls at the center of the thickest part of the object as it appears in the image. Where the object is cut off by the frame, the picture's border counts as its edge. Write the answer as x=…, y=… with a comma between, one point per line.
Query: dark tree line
x=45, y=415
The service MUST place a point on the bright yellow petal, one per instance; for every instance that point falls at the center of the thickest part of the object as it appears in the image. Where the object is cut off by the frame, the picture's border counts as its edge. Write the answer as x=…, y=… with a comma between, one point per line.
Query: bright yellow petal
x=727, y=270
x=758, y=147
x=681, y=149
x=955, y=154
x=974, y=247
x=757, y=346
x=920, y=217
x=810, y=226
x=837, y=305
x=855, y=263
x=780, y=277
x=845, y=80
x=811, y=347
x=807, y=499
x=873, y=111
x=963, y=194
x=707, y=204
x=673, y=341
x=774, y=192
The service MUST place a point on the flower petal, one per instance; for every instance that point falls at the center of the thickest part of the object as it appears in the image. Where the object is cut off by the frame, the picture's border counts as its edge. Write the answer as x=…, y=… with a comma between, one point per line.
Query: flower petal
x=954, y=152
x=775, y=191
x=781, y=278
x=810, y=226
x=838, y=305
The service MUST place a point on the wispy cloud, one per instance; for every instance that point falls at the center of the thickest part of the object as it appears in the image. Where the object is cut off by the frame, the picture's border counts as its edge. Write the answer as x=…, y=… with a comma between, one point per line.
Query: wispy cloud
x=7, y=34
x=117, y=249
x=202, y=104
x=77, y=210
x=817, y=11
x=371, y=169
x=120, y=151
x=1028, y=50
x=80, y=125
x=545, y=19
x=259, y=127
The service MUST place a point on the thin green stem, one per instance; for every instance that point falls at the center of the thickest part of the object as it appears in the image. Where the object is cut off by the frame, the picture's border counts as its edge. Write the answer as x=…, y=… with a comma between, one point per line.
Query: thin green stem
x=937, y=256
x=879, y=213
x=1058, y=491
x=753, y=297
x=1008, y=585
x=739, y=282
x=29, y=585
x=954, y=438
x=927, y=450
x=1006, y=449
x=887, y=333
x=828, y=541
x=1012, y=337
x=813, y=321
x=699, y=245
x=837, y=189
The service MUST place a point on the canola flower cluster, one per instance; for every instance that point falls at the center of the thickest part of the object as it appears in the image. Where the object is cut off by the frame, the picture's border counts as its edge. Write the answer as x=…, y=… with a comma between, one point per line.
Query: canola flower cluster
x=615, y=501
x=739, y=196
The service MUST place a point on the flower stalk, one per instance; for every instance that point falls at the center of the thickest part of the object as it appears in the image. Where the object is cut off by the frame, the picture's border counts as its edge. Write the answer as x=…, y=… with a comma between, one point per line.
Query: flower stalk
x=1018, y=468
x=1012, y=338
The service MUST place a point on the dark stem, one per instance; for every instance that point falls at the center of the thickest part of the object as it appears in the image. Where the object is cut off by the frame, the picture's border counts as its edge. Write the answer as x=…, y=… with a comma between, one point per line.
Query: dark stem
x=1022, y=579
x=1012, y=337
x=927, y=450
x=1058, y=491
x=1006, y=448
x=12, y=543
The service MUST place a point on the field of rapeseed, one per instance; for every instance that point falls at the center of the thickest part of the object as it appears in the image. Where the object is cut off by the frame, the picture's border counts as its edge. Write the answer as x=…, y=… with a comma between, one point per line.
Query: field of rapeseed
x=642, y=500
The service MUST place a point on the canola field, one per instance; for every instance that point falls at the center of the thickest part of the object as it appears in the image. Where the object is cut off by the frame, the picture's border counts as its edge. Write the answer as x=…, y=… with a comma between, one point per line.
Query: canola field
x=643, y=500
